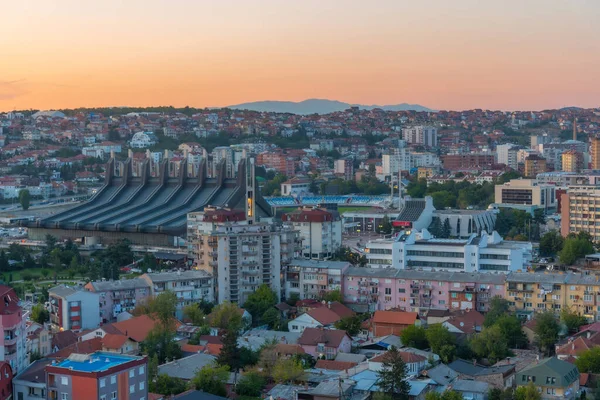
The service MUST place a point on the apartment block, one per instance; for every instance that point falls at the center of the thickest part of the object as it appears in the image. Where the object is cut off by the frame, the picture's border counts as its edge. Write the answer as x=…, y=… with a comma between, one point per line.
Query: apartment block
x=420, y=291
x=595, y=153
x=98, y=375
x=310, y=279
x=534, y=164
x=580, y=211
x=529, y=293
x=476, y=161
x=423, y=135
x=119, y=296
x=572, y=161
x=72, y=308
x=13, y=348
x=189, y=286
x=320, y=231
x=240, y=254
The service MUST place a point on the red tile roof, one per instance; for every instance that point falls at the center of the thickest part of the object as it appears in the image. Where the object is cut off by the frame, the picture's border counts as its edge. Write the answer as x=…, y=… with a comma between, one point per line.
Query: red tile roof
x=407, y=357
x=136, y=328
x=314, y=336
x=395, y=317
x=335, y=365
x=324, y=315
x=64, y=339
x=112, y=341
x=192, y=348
x=86, y=347
x=575, y=347
x=288, y=349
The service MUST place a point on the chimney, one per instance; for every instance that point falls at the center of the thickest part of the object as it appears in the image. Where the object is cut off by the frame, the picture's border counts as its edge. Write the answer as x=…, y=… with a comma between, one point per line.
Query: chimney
x=572, y=346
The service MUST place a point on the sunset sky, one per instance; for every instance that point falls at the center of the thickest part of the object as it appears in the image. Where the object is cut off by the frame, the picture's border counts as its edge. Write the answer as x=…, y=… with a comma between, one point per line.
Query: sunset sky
x=510, y=54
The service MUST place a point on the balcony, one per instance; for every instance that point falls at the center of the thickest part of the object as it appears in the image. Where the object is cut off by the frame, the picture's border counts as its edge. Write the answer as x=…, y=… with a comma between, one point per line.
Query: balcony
x=213, y=263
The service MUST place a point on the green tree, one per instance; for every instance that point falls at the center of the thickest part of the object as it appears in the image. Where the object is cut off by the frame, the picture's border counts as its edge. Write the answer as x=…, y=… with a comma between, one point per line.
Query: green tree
x=260, y=301
x=391, y=378
x=575, y=248
x=229, y=354
x=163, y=308
x=440, y=337
x=589, y=361
x=4, y=266
x=39, y=314
x=333, y=295
x=499, y=394
x=490, y=344
x=351, y=324
x=288, y=370
x=446, y=395
x=24, y=199
x=161, y=342
x=226, y=316
x=194, y=314
x=212, y=379
x=272, y=318
x=546, y=331
x=34, y=356
x=414, y=336
x=529, y=392
x=572, y=320
x=510, y=327
x=386, y=226
x=167, y=385
x=436, y=227
x=250, y=384
x=551, y=244
x=498, y=307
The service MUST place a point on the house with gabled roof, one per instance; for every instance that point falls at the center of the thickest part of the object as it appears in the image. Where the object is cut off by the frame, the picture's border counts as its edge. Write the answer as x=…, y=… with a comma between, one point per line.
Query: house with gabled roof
x=325, y=343
x=554, y=378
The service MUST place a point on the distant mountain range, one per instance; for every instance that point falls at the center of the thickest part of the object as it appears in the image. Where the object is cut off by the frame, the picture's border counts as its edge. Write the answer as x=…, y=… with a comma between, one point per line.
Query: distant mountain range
x=318, y=106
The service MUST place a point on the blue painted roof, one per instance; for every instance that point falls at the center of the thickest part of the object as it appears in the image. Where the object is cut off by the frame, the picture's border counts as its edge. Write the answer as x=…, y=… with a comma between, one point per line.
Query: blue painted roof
x=95, y=362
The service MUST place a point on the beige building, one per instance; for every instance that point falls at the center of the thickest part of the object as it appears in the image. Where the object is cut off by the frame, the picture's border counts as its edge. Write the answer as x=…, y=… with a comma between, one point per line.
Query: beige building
x=239, y=254
x=534, y=165
x=595, y=152
x=572, y=161
x=580, y=211
x=526, y=192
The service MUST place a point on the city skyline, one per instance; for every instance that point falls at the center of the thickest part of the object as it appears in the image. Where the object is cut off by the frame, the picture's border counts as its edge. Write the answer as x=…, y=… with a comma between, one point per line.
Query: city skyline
x=463, y=55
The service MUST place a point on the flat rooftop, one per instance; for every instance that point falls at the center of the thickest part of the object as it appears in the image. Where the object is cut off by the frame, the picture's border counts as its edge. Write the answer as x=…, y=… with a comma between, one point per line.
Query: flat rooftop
x=94, y=362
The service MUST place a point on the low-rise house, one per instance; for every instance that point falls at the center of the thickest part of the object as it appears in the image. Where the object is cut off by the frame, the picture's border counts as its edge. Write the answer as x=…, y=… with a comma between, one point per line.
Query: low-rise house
x=325, y=343
x=499, y=376
x=554, y=378
x=393, y=322
x=415, y=363
x=325, y=316
x=464, y=322
x=185, y=368
x=39, y=339
x=31, y=383
x=472, y=390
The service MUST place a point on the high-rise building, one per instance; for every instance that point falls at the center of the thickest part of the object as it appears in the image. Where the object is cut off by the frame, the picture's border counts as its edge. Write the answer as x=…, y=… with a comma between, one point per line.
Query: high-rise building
x=507, y=155
x=534, y=165
x=320, y=231
x=345, y=167
x=595, y=152
x=241, y=254
x=13, y=349
x=578, y=211
x=98, y=375
x=572, y=161
x=423, y=135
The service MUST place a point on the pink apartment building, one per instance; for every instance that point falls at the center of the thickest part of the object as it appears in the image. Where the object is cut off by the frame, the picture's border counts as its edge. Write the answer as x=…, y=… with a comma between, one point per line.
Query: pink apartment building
x=419, y=291
x=13, y=348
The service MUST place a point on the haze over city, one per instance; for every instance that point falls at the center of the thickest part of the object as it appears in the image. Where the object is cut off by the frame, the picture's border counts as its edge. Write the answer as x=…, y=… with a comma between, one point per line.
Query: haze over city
x=509, y=55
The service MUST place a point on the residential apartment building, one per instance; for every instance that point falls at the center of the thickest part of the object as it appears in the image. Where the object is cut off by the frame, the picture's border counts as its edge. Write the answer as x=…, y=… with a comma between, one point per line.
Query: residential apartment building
x=98, y=375
x=471, y=161
x=189, y=286
x=572, y=161
x=529, y=293
x=423, y=135
x=72, y=308
x=507, y=154
x=310, y=279
x=534, y=165
x=13, y=348
x=119, y=296
x=295, y=187
x=580, y=211
x=527, y=194
x=344, y=167
x=477, y=253
x=369, y=289
x=240, y=255
x=320, y=231
x=595, y=152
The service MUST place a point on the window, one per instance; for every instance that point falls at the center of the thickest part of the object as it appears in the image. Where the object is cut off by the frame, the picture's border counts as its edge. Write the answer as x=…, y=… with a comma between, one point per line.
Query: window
x=388, y=290
x=401, y=290
x=102, y=382
x=295, y=327
x=113, y=379
x=131, y=373
x=141, y=370
x=131, y=389
x=64, y=396
x=142, y=385
x=113, y=395
x=64, y=380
